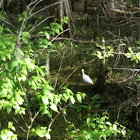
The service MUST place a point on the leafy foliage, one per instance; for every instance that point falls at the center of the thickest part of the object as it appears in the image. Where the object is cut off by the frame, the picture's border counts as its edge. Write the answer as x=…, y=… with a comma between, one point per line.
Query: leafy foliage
x=24, y=83
x=99, y=128
x=7, y=133
x=134, y=56
x=107, y=51
x=95, y=127
x=25, y=88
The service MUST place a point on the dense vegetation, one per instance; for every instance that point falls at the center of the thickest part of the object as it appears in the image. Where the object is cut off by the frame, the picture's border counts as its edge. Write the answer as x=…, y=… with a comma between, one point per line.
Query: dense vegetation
x=43, y=47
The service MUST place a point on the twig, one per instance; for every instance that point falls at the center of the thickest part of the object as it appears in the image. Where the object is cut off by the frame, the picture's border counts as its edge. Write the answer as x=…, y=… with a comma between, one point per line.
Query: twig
x=20, y=126
x=69, y=76
x=3, y=65
x=40, y=23
x=118, y=112
x=44, y=9
x=49, y=127
x=127, y=69
x=128, y=78
x=60, y=67
x=54, y=39
x=36, y=3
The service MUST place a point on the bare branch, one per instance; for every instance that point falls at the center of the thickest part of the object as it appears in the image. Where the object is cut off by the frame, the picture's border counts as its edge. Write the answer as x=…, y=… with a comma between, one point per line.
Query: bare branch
x=60, y=67
x=44, y=9
x=127, y=69
x=40, y=23
x=20, y=126
x=53, y=40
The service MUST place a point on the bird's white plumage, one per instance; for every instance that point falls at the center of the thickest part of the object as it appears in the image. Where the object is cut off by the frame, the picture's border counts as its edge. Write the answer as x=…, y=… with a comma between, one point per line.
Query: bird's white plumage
x=86, y=78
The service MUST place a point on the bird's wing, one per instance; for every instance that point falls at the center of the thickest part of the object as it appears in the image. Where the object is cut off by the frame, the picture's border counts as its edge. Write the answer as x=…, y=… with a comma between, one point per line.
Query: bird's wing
x=87, y=79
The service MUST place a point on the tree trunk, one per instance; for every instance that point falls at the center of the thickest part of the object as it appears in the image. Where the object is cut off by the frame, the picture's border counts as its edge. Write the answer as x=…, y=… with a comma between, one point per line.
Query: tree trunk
x=60, y=11
x=100, y=83
x=48, y=63
x=72, y=5
x=1, y=4
x=85, y=6
x=112, y=4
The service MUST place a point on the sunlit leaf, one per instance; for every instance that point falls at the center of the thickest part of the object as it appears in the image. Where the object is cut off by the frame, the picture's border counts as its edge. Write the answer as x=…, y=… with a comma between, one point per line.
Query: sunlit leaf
x=40, y=132
x=47, y=35
x=72, y=99
x=48, y=136
x=102, y=119
x=10, y=125
x=79, y=98
x=88, y=120
x=92, y=125
x=104, y=135
x=45, y=100
x=25, y=33
x=9, y=108
x=54, y=107
x=108, y=123
x=13, y=64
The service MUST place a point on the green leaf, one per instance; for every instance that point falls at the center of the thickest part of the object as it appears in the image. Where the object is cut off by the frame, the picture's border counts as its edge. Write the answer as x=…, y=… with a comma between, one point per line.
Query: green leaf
x=32, y=130
x=47, y=35
x=48, y=136
x=102, y=119
x=39, y=41
x=45, y=100
x=40, y=132
x=44, y=109
x=100, y=126
x=51, y=33
x=88, y=120
x=56, y=30
x=40, y=33
x=108, y=123
x=20, y=52
x=25, y=40
x=72, y=99
x=20, y=19
x=92, y=125
x=9, y=56
x=2, y=17
x=24, y=70
x=104, y=135
x=54, y=107
x=9, y=108
x=53, y=24
x=13, y=64
x=3, y=57
x=25, y=33
x=16, y=111
x=47, y=27
x=10, y=125
x=99, y=55
x=23, y=77
x=124, y=132
x=79, y=98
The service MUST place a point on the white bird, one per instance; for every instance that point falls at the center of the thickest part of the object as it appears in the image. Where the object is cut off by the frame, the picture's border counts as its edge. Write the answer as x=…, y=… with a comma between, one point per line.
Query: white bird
x=86, y=78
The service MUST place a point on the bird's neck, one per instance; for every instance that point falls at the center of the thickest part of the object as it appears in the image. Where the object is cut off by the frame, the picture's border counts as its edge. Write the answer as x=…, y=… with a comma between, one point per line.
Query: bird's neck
x=83, y=73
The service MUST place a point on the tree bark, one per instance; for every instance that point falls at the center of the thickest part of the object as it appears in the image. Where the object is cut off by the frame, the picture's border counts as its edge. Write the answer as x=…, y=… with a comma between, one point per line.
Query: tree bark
x=61, y=10
x=48, y=63
x=85, y=6
x=100, y=83
x=1, y=4
x=72, y=5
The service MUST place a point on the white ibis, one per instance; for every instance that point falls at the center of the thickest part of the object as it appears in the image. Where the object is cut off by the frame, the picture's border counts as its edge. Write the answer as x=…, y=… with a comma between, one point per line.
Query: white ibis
x=86, y=78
